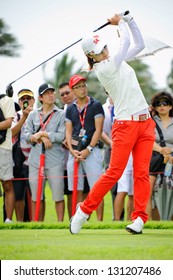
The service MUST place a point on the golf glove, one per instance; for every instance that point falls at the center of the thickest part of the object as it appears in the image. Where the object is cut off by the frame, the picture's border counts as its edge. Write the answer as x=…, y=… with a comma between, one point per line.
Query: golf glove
x=127, y=18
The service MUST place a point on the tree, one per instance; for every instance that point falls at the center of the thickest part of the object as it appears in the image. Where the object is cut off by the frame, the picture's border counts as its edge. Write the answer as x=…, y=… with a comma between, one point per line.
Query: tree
x=8, y=43
x=145, y=78
x=64, y=69
x=170, y=77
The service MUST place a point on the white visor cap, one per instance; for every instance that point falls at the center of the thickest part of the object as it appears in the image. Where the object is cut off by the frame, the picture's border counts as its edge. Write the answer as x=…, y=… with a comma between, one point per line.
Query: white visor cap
x=93, y=44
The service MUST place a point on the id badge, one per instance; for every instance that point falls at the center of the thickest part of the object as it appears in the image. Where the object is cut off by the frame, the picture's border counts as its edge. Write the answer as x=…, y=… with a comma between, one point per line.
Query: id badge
x=82, y=132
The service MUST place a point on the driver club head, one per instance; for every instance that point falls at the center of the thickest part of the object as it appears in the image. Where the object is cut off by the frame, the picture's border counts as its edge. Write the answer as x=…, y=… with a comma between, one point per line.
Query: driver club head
x=9, y=90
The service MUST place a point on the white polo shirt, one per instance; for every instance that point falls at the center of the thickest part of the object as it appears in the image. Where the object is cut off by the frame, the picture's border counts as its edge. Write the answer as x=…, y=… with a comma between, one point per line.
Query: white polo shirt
x=119, y=79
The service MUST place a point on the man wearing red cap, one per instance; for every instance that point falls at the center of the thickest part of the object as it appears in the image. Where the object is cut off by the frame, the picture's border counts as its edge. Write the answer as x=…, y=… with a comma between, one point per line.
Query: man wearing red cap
x=84, y=120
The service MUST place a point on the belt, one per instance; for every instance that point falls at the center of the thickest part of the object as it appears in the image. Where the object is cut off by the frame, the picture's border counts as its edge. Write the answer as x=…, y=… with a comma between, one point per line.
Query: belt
x=138, y=118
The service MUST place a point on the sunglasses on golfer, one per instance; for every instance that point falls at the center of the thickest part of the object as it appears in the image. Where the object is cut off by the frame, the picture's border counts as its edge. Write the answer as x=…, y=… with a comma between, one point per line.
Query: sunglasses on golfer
x=64, y=93
x=163, y=103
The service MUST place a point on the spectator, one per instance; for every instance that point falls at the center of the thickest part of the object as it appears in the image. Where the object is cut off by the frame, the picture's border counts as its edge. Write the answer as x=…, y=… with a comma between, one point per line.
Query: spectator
x=125, y=187
x=21, y=187
x=50, y=121
x=84, y=118
x=6, y=162
x=67, y=97
x=133, y=128
x=108, y=108
x=162, y=111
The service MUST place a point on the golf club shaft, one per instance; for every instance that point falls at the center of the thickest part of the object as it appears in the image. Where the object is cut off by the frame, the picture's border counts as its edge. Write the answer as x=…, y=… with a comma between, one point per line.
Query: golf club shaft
x=102, y=26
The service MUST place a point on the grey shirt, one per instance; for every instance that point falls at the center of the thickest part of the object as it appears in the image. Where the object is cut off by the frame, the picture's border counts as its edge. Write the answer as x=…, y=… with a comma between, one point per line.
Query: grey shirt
x=56, y=131
x=167, y=132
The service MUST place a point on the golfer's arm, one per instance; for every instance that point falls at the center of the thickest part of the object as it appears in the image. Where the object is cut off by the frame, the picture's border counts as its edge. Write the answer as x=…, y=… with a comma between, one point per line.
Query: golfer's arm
x=124, y=43
x=137, y=45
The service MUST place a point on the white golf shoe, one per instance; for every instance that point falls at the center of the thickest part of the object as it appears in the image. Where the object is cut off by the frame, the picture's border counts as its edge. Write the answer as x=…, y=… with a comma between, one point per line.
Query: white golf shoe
x=136, y=227
x=77, y=221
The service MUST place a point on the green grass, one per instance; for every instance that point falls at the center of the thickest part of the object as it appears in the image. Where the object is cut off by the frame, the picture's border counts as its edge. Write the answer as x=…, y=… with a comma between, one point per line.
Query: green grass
x=105, y=244
x=105, y=240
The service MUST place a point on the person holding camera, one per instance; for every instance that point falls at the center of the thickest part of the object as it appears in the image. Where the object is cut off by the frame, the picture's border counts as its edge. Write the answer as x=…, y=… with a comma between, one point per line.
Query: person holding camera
x=21, y=186
x=84, y=120
x=6, y=162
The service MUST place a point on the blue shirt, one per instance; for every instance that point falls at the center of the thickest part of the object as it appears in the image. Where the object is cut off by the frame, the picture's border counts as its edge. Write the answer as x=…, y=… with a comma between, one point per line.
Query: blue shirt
x=94, y=110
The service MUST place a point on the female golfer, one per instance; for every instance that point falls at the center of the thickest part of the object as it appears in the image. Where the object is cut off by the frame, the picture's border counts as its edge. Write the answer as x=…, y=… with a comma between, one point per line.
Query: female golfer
x=133, y=129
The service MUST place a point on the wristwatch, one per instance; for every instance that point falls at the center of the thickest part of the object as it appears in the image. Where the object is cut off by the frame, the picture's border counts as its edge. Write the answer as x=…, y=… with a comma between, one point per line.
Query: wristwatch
x=90, y=148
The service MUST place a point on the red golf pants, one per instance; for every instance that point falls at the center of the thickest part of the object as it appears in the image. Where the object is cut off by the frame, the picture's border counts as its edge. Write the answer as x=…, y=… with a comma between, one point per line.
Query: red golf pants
x=127, y=136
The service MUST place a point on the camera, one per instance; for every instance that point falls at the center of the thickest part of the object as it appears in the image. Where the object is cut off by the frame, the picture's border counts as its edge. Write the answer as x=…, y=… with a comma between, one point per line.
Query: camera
x=25, y=104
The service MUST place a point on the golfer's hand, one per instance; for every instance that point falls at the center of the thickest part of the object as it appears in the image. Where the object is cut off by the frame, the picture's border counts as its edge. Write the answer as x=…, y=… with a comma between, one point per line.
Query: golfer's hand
x=115, y=19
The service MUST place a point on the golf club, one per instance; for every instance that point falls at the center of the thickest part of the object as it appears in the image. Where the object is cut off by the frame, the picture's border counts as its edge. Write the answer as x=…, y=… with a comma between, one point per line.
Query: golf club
x=9, y=89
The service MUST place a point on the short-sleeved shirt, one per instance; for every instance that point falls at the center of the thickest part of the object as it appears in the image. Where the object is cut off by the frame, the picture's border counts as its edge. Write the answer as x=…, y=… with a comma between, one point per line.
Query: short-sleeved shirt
x=94, y=110
x=167, y=132
x=8, y=109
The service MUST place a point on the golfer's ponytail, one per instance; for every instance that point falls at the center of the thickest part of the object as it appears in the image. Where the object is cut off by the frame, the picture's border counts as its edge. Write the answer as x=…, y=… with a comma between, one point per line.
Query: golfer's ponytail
x=90, y=62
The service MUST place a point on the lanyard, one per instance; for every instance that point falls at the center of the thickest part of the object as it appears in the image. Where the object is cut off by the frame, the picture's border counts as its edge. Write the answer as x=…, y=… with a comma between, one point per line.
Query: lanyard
x=82, y=118
x=44, y=124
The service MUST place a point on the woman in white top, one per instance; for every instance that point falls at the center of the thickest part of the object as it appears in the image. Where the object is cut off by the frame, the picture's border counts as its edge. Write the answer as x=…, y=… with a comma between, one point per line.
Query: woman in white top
x=133, y=129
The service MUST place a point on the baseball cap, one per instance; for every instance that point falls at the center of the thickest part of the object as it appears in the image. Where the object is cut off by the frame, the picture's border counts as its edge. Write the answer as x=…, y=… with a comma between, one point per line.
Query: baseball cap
x=93, y=44
x=75, y=79
x=24, y=92
x=44, y=87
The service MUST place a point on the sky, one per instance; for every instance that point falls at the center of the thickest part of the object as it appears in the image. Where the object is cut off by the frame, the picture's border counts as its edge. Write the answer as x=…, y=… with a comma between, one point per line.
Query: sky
x=45, y=27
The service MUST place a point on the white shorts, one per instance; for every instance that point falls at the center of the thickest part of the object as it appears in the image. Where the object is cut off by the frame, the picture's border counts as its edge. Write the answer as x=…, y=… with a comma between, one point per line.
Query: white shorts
x=125, y=183
x=6, y=164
